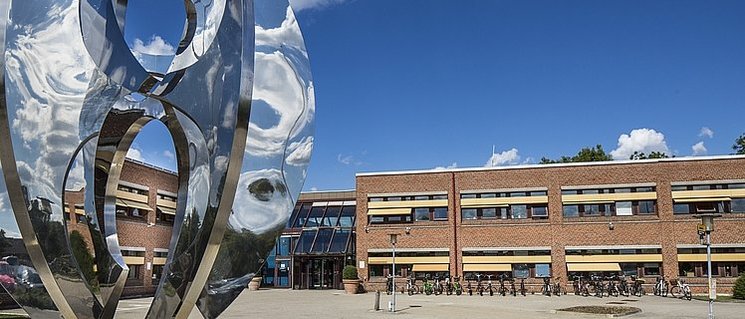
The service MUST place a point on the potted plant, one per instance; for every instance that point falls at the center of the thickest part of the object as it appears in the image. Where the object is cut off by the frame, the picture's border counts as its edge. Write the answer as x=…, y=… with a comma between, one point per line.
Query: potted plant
x=350, y=279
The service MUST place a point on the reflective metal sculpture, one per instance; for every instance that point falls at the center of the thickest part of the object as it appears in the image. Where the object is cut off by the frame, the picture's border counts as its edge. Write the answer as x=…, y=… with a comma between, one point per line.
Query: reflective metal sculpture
x=238, y=100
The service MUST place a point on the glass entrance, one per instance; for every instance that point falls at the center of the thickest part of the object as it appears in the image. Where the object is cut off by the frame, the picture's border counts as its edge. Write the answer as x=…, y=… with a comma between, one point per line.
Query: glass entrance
x=321, y=273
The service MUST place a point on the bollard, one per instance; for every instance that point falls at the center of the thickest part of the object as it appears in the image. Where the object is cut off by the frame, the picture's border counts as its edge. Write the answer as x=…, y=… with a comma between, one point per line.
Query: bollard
x=377, y=300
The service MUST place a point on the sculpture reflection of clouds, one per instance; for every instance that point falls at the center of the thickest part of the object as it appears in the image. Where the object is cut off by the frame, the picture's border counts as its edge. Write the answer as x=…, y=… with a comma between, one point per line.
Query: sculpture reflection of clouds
x=51, y=82
x=280, y=132
x=264, y=204
x=209, y=16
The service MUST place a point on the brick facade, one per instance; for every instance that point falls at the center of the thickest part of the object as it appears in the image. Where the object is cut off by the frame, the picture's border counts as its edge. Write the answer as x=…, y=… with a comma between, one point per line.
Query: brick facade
x=664, y=228
x=143, y=232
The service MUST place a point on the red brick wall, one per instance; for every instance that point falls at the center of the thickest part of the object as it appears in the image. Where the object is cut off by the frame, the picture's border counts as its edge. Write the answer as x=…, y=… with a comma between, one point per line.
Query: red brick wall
x=665, y=229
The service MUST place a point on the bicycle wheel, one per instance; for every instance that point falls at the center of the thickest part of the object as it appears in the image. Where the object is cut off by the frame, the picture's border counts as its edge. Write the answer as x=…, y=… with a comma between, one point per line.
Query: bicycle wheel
x=491, y=292
x=675, y=292
x=688, y=294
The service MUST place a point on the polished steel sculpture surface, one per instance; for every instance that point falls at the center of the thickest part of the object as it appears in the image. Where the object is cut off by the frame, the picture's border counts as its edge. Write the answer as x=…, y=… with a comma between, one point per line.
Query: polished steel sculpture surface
x=237, y=98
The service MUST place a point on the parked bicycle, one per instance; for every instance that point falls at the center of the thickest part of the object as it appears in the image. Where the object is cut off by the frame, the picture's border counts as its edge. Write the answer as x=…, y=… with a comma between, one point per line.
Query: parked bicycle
x=438, y=289
x=577, y=285
x=502, y=289
x=637, y=288
x=448, y=285
x=489, y=286
x=681, y=289
x=469, y=288
x=612, y=287
x=623, y=286
x=457, y=287
x=661, y=287
x=429, y=287
x=546, y=288
x=479, y=286
x=513, y=291
x=523, y=291
x=411, y=286
x=557, y=289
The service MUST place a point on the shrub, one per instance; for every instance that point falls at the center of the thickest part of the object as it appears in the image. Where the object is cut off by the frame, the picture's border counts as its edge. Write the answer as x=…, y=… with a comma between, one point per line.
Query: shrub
x=350, y=272
x=738, y=291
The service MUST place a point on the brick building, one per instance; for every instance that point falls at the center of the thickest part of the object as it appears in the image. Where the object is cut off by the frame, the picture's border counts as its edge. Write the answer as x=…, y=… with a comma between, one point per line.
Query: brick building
x=558, y=220
x=145, y=210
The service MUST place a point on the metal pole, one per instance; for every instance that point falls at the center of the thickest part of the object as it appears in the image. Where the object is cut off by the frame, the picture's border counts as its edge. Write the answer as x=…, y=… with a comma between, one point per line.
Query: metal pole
x=393, y=280
x=708, y=263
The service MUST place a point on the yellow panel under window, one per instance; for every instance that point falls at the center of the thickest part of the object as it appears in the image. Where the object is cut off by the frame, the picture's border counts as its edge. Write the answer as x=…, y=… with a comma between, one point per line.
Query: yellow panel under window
x=409, y=260
x=593, y=267
x=502, y=201
x=714, y=257
x=638, y=258
x=607, y=198
x=487, y=267
x=388, y=211
x=131, y=260
x=409, y=203
x=507, y=259
x=430, y=267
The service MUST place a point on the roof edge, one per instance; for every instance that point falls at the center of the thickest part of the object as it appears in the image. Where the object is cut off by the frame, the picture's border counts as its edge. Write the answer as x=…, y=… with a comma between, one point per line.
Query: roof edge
x=555, y=165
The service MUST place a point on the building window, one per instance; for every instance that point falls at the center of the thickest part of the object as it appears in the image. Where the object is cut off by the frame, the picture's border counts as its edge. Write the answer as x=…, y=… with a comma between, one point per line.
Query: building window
x=571, y=210
x=134, y=271
x=440, y=213
x=651, y=269
x=421, y=214
x=737, y=205
x=624, y=209
x=646, y=207
x=539, y=212
x=469, y=213
x=519, y=211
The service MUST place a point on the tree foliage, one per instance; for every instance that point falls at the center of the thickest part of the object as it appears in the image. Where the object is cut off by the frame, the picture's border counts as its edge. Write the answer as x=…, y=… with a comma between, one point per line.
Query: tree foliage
x=349, y=272
x=652, y=155
x=586, y=154
x=738, y=291
x=82, y=255
x=739, y=146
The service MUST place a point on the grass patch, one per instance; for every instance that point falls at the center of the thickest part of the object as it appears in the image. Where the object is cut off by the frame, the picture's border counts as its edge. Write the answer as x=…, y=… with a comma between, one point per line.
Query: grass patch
x=719, y=299
x=603, y=310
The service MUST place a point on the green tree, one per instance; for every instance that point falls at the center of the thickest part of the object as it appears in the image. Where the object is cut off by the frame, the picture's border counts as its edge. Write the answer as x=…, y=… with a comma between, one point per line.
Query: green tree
x=4, y=242
x=586, y=154
x=641, y=155
x=739, y=146
x=82, y=255
x=738, y=291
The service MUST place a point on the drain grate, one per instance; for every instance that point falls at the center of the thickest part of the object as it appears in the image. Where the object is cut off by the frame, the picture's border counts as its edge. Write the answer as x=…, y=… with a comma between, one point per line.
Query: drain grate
x=629, y=300
x=616, y=303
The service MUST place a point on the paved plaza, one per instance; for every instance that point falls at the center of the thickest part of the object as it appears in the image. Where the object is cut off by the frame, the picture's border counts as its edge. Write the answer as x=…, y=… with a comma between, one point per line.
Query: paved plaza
x=335, y=304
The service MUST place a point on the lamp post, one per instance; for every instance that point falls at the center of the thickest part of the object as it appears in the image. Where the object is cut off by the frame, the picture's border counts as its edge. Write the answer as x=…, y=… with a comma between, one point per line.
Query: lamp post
x=704, y=232
x=394, y=239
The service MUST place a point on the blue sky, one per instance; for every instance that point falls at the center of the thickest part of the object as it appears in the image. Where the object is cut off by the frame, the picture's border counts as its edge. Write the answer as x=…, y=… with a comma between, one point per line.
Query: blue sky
x=431, y=83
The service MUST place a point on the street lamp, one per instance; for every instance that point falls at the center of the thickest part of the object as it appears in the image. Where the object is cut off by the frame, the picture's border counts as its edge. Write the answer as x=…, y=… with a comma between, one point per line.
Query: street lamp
x=394, y=239
x=704, y=233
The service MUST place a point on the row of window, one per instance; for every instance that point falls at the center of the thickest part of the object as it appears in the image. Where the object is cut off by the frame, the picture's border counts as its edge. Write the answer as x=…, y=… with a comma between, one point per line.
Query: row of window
x=615, y=190
x=307, y=215
x=406, y=198
x=416, y=214
x=707, y=187
x=622, y=208
x=323, y=240
x=504, y=194
x=585, y=252
x=510, y=212
x=735, y=205
x=718, y=269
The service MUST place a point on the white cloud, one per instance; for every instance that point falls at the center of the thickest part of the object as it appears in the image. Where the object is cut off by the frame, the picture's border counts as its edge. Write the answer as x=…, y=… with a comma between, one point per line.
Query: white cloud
x=454, y=165
x=640, y=140
x=314, y=189
x=135, y=154
x=169, y=155
x=347, y=159
x=155, y=46
x=509, y=157
x=699, y=148
x=298, y=5
x=706, y=132
x=300, y=152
